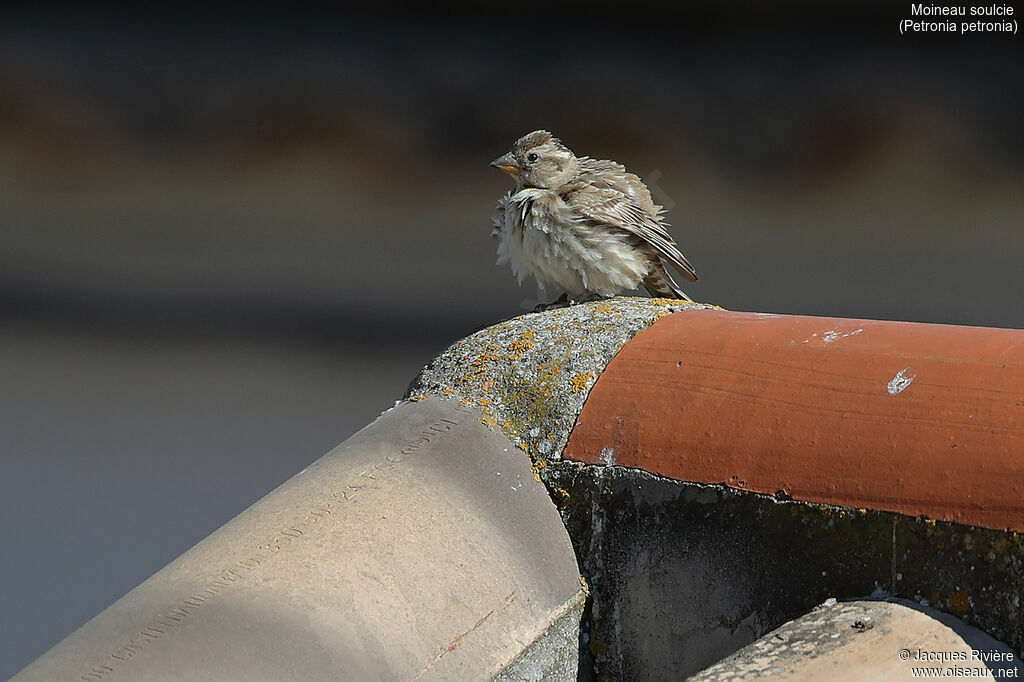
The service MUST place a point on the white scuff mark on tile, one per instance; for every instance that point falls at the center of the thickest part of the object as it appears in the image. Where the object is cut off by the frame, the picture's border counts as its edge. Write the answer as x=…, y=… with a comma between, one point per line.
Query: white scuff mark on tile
x=899, y=383
x=607, y=456
x=833, y=335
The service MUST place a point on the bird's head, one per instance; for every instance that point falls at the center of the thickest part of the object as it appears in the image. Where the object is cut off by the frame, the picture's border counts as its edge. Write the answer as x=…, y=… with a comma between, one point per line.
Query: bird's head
x=540, y=160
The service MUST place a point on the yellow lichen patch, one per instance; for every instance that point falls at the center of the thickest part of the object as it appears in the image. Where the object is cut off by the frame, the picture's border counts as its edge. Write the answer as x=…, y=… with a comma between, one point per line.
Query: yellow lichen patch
x=579, y=381
x=959, y=603
x=562, y=497
x=483, y=401
x=487, y=385
x=488, y=421
x=487, y=410
x=463, y=403
x=416, y=398
x=448, y=391
x=660, y=314
x=527, y=334
x=604, y=308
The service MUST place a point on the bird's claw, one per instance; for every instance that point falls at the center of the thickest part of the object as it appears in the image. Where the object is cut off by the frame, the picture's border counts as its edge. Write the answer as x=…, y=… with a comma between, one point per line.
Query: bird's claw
x=560, y=302
x=589, y=298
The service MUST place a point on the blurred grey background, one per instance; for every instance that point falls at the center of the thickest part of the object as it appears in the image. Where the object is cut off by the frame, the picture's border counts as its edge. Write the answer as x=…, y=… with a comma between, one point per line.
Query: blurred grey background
x=227, y=242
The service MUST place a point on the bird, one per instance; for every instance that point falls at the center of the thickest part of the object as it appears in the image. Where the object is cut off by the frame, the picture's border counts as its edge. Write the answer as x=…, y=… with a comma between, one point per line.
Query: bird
x=586, y=225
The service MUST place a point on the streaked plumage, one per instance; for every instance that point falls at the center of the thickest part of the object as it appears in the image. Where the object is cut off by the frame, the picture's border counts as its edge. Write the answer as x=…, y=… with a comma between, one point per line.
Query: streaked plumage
x=586, y=225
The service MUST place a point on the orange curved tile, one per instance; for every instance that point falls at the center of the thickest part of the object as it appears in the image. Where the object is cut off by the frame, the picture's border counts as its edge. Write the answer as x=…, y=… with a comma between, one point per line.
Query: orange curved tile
x=919, y=419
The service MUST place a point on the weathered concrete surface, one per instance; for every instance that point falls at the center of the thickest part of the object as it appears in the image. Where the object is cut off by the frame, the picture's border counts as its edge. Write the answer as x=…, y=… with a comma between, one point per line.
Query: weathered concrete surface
x=553, y=657
x=421, y=548
x=868, y=640
x=529, y=376
x=684, y=574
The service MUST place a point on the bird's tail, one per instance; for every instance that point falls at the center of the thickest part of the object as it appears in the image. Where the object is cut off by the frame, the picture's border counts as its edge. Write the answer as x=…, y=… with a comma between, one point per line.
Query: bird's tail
x=660, y=283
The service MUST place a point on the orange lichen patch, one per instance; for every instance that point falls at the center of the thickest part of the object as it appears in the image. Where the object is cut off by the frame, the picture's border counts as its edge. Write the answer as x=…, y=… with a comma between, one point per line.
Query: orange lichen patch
x=579, y=381
x=416, y=398
x=604, y=308
x=852, y=413
x=463, y=403
x=517, y=348
x=484, y=357
x=959, y=603
x=483, y=401
x=448, y=391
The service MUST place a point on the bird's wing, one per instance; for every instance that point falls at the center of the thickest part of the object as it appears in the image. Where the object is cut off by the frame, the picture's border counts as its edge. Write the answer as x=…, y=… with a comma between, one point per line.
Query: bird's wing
x=610, y=174
x=611, y=208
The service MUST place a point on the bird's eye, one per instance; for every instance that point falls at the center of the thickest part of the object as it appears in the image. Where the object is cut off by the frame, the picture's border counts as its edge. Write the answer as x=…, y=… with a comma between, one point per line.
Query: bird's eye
x=532, y=156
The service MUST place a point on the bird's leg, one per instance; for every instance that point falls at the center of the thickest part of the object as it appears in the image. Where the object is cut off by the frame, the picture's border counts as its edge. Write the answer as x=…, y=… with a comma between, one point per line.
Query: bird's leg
x=589, y=296
x=560, y=302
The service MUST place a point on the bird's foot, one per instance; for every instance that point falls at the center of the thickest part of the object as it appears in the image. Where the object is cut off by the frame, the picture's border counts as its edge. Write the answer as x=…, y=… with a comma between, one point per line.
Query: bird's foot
x=560, y=302
x=589, y=297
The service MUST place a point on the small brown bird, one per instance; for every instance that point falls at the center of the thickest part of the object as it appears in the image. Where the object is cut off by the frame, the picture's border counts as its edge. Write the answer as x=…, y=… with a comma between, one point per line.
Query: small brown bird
x=586, y=225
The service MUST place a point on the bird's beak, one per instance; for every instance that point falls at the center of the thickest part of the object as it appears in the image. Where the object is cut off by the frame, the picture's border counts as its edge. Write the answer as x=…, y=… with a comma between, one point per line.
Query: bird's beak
x=506, y=164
